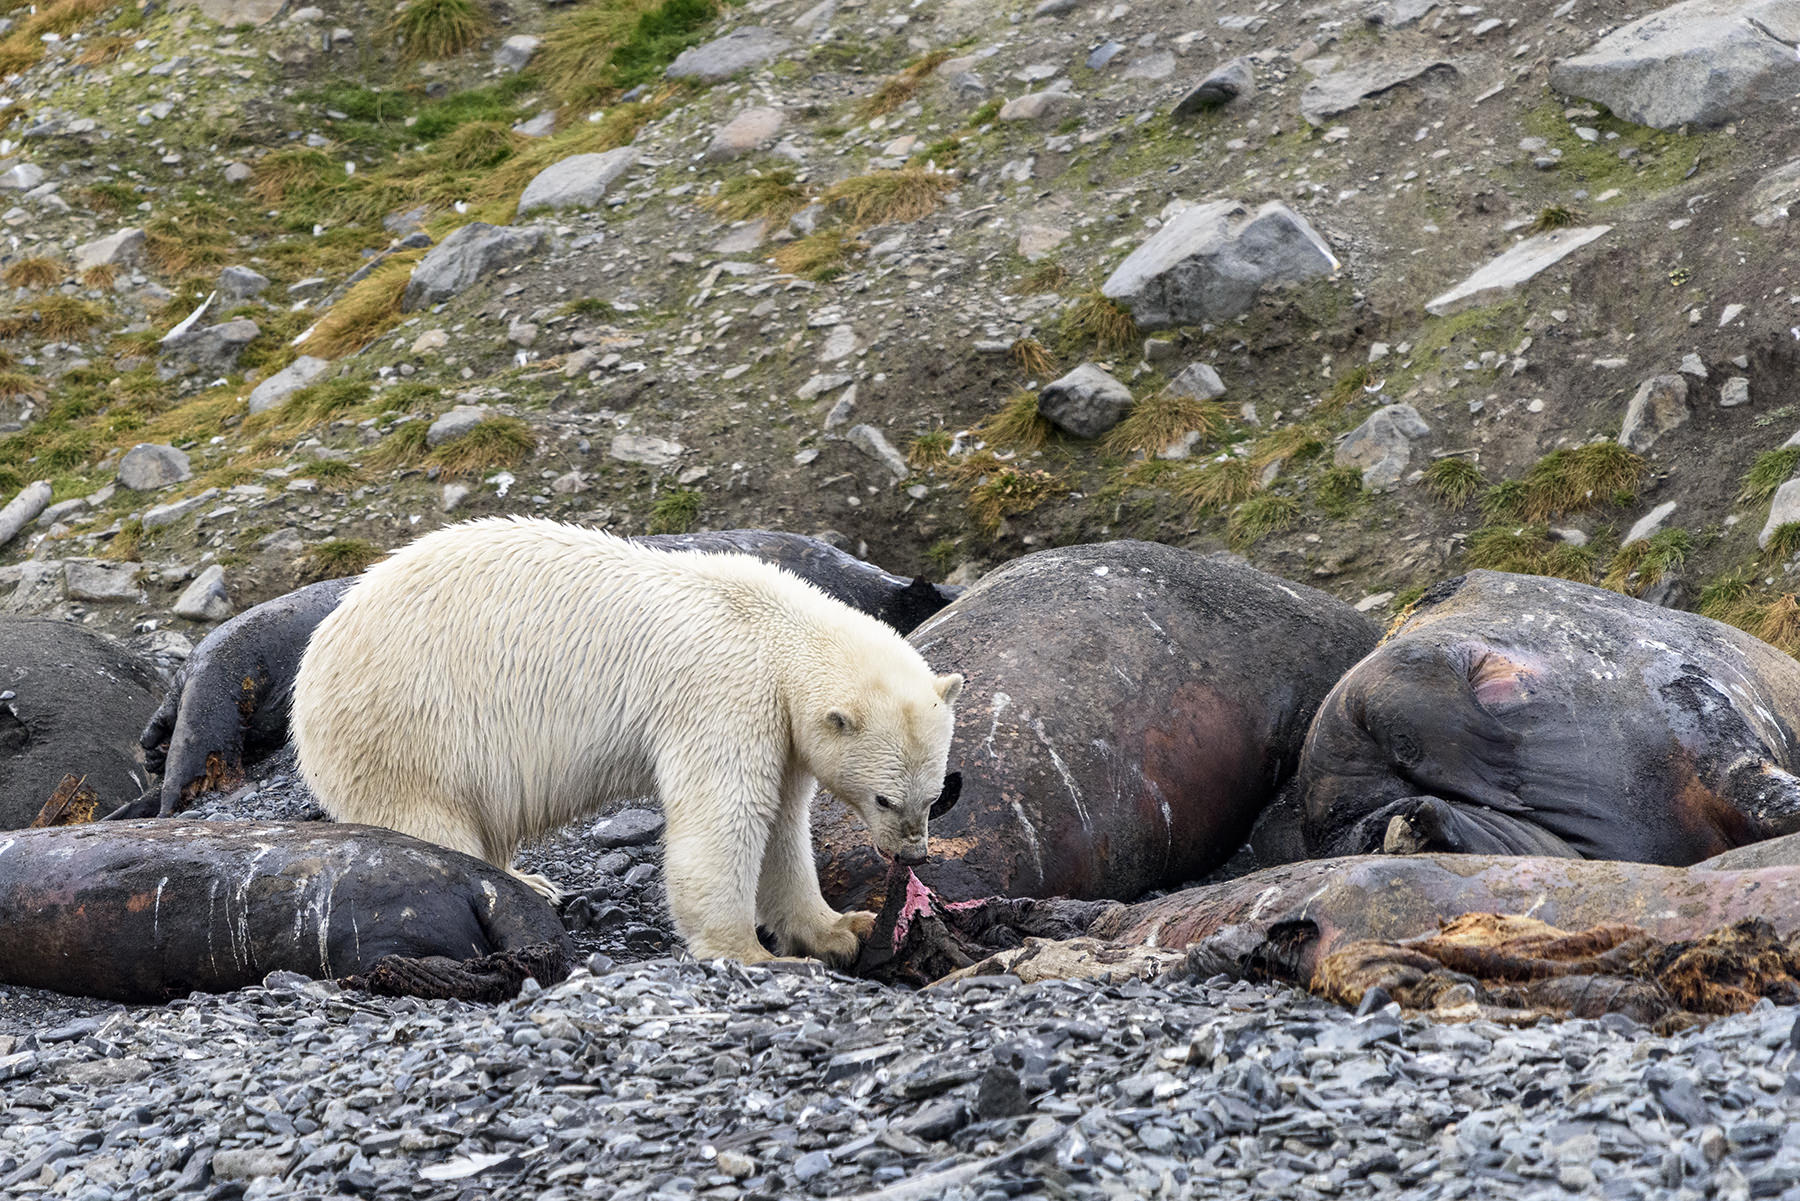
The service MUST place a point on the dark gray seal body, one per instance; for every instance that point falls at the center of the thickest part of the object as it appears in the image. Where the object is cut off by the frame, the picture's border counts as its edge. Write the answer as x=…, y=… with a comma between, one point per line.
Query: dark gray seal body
x=1517, y=715
x=229, y=705
x=71, y=703
x=147, y=911
x=1129, y=710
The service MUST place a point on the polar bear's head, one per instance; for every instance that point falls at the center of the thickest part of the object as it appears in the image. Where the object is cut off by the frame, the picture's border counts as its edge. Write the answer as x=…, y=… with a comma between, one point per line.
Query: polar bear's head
x=883, y=753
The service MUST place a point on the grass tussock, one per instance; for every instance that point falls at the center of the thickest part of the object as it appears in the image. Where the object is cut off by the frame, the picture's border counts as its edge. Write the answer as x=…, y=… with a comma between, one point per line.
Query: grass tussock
x=432, y=29
x=1639, y=566
x=1734, y=599
x=1218, y=484
x=1779, y=624
x=1098, y=320
x=930, y=451
x=494, y=443
x=1453, y=481
x=605, y=47
x=194, y=242
x=1346, y=388
x=818, y=257
x=99, y=51
x=1784, y=542
x=125, y=544
x=1529, y=550
x=898, y=88
x=1260, y=516
x=364, y=313
x=1772, y=469
x=1567, y=481
x=403, y=447
x=1016, y=425
x=101, y=277
x=1555, y=216
x=1031, y=357
x=65, y=318
x=772, y=196
x=338, y=557
x=1005, y=490
x=1161, y=419
x=1291, y=444
x=1047, y=276
x=38, y=271
x=675, y=511
x=1339, y=490
x=480, y=144
x=890, y=197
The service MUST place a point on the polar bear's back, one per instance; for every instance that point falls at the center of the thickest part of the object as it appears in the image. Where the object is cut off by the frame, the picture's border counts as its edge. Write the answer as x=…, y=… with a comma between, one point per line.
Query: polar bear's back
x=525, y=668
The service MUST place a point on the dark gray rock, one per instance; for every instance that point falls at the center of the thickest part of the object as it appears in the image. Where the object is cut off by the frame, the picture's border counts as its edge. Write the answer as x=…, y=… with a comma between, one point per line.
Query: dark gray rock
x=1381, y=447
x=1086, y=402
x=241, y=283
x=628, y=828
x=1229, y=81
x=152, y=465
x=724, y=57
x=579, y=181
x=467, y=256
x=213, y=348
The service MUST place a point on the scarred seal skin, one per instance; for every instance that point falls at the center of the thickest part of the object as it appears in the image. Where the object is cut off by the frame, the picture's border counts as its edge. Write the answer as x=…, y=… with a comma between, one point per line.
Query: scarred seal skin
x=1129, y=709
x=146, y=911
x=1520, y=715
x=229, y=705
x=70, y=702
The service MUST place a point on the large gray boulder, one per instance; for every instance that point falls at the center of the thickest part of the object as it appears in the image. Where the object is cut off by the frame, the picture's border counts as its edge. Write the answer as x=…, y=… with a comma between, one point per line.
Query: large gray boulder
x=1341, y=91
x=92, y=580
x=151, y=465
x=211, y=347
x=460, y=260
x=1209, y=262
x=1703, y=62
x=1381, y=447
x=1659, y=405
x=578, y=181
x=289, y=380
x=205, y=599
x=724, y=57
x=1086, y=402
x=114, y=250
x=1784, y=509
x=744, y=133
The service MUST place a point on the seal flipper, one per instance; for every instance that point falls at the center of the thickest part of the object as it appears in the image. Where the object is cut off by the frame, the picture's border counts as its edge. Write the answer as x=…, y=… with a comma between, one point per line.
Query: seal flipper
x=1766, y=795
x=1427, y=824
x=1423, y=712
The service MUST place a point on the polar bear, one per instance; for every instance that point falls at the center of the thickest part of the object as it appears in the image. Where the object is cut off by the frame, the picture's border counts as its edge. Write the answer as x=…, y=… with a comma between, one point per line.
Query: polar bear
x=496, y=679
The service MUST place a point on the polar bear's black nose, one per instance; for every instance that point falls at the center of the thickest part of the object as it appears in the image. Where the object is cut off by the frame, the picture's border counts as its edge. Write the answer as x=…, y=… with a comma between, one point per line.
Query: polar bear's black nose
x=911, y=860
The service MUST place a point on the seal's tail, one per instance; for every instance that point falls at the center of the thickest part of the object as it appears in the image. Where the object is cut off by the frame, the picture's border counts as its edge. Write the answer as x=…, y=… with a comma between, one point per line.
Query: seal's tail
x=487, y=979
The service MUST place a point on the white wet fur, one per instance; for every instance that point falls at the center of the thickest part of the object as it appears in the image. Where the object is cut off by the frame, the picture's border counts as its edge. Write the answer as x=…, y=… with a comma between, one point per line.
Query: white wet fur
x=500, y=678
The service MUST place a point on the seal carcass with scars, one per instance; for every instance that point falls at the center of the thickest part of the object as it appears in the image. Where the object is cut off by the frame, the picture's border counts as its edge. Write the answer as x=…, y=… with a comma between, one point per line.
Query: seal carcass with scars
x=1519, y=715
x=1130, y=709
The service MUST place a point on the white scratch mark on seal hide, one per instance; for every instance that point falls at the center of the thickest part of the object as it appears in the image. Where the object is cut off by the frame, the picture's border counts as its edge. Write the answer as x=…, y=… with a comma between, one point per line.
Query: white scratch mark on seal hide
x=1001, y=701
x=1062, y=769
x=156, y=912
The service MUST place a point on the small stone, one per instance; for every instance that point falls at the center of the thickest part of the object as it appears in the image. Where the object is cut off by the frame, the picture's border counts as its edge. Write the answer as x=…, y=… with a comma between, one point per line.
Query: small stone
x=237, y=173
x=1659, y=405
x=579, y=181
x=205, y=599
x=1086, y=402
x=149, y=466
x=115, y=250
x=1382, y=445
x=811, y=1165
x=745, y=132
x=627, y=828
x=735, y=1164
x=1034, y=106
x=430, y=341
x=455, y=423
x=721, y=58
x=1198, y=381
x=289, y=380
x=873, y=443
x=1228, y=81
x=644, y=449
x=472, y=253
x=103, y=582
x=1649, y=524
x=516, y=51
x=1734, y=392
x=1694, y=365
x=241, y=283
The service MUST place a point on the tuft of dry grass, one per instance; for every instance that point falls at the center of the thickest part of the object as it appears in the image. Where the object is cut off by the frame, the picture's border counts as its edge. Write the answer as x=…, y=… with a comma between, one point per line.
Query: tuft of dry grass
x=1031, y=357
x=338, y=557
x=898, y=88
x=364, y=313
x=432, y=29
x=1293, y=443
x=1641, y=565
x=101, y=277
x=1779, y=624
x=1218, y=484
x=770, y=195
x=1016, y=424
x=1346, y=388
x=1098, y=319
x=1567, y=481
x=1259, y=517
x=890, y=197
x=124, y=545
x=1772, y=469
x=102, y=50
x=1555, y=216
x=496, y=442
x=1047, y=276
x=1784, y=542
x=604, y=47
x=1528, y=550
x=1452, y=481
x=478, y=145
x=403, y=447
x=930, y=451
x=64, y=318
x=38, y=271
x=1160, y=419
x=1005, y=490
x=818, y=257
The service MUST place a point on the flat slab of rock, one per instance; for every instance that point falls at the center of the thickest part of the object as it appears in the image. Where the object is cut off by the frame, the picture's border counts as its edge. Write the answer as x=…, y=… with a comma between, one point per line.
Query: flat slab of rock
x=205, y=599
x=873, y=443
x=1520, y=263
x=212, y=347
x=114, y=250
x=175, y=510
x=457, y=422
x=745, y=132
x=284, y=383
x=88, y=580
x=516, y=51
x=21, y=177
x=1034, y=106
x=465, y=257
x=1198, y=381
x=1659, y=405
x=152, y=465
x=230, y=13
x=645, y=449
x=579, y=181
x=1341, y=91
x=1209, y=261
x=1703, y=62
x=724, y=57
x=1086, y=402
x=241, y=283
x=1649, y=524
x=627, y=828
x=1381, y=447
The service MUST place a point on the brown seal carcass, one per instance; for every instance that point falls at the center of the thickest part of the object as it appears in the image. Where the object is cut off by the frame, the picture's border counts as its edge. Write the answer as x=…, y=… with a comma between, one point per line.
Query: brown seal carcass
x=1514, y=714
x=147, y=911
x=1129, y=710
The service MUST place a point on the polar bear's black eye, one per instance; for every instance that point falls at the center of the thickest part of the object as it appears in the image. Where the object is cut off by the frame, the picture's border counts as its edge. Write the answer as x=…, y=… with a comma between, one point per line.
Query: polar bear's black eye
x=884, y=802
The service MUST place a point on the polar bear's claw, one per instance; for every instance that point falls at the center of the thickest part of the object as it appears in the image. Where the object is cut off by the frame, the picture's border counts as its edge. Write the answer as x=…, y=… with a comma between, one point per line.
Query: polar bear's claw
x=539, y=884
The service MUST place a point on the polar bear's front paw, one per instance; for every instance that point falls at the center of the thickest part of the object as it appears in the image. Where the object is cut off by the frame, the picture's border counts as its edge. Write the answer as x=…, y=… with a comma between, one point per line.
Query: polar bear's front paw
x=539, y=884
x=837, y=941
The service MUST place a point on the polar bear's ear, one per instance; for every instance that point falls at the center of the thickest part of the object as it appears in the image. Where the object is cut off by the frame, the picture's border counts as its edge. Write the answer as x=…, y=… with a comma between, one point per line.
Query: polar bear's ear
x=949, y=688
x=840, y=721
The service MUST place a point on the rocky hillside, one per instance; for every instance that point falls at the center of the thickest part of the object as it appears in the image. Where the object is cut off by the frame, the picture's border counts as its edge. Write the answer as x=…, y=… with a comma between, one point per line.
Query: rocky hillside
x=1367, y=293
